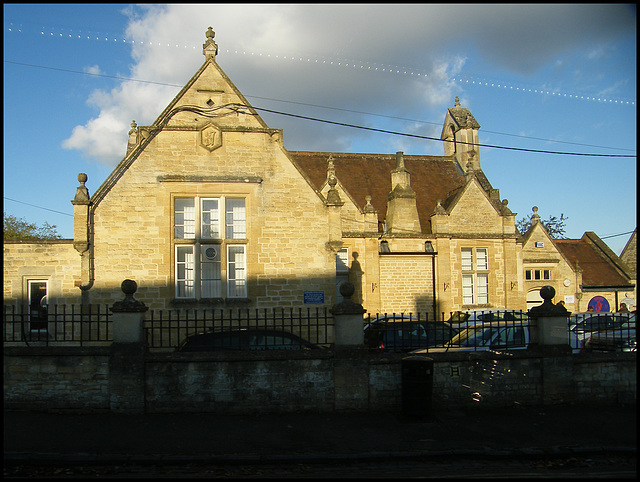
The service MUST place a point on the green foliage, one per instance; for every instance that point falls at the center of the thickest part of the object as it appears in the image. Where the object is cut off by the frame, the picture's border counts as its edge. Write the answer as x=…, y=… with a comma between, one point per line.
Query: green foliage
x=20, y=229
x=554, y=225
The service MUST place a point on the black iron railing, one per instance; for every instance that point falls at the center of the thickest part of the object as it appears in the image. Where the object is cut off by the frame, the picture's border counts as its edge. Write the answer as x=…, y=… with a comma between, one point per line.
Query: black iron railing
x=57, y=325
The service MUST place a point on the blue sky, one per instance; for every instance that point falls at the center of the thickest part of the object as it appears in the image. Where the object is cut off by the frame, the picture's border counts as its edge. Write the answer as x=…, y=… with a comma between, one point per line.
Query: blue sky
x=559, y=78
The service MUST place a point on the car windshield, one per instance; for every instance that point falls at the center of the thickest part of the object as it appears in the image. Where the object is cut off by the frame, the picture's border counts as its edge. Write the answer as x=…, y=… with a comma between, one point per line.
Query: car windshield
x=501, y=316
x=475, y=336
x=495, y=336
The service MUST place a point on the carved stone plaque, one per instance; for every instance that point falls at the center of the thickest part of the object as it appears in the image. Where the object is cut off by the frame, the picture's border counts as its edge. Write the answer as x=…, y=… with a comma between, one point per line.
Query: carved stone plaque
x=210, y=137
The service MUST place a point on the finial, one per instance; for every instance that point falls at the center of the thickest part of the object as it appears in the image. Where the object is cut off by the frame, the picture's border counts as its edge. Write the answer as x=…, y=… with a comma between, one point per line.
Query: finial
x=82, y=193
x=368, y=207
x=210, y=48
x=457, y=101
x=534, y=217
x=400, y=161
x=333, y=198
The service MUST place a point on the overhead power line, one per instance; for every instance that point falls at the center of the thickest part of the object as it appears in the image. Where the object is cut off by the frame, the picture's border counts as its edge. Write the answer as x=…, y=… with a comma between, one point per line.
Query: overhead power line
x=616, y=235
x=359, y=112
x=522, y=149
x=34, y=206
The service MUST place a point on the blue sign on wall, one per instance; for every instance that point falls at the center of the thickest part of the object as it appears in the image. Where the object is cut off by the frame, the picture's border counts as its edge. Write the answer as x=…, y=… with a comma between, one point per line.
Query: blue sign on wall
x=599, y=304
x=313, y=297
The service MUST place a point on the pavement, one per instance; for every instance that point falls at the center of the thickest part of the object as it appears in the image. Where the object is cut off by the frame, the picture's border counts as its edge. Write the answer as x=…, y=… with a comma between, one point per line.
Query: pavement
x=556, y=430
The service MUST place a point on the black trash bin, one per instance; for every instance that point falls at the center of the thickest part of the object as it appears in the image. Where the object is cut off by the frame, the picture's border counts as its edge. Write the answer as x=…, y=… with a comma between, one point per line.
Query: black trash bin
x=417, y=386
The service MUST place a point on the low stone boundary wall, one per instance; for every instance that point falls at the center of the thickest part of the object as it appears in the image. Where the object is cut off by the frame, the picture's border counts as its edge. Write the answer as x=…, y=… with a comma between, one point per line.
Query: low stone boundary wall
x=245, y=382
x=56, y=378
x=75, y=378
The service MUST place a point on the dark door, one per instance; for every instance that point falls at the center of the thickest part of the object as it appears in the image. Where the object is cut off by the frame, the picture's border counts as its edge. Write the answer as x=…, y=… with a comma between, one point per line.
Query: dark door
x=37, y=305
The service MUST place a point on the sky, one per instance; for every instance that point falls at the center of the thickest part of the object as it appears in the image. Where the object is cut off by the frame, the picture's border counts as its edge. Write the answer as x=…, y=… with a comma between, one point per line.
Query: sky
x=553, y=88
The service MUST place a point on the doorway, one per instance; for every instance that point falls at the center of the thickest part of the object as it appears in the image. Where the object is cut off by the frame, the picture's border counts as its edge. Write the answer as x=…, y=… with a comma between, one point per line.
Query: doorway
x=38, y=301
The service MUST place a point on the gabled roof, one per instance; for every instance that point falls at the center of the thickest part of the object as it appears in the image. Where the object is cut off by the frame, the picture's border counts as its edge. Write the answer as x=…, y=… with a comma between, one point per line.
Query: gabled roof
x=461, y=117
x=361, y=175
x=629, y=255
x=599, y=265
x=208, y=72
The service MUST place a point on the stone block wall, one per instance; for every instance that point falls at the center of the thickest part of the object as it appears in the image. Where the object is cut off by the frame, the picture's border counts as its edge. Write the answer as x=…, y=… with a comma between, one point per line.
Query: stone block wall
x=45, y=379
x=406, y=283
x=78, y=379
x=239, y=383
x=607, y=378
x=55, y=261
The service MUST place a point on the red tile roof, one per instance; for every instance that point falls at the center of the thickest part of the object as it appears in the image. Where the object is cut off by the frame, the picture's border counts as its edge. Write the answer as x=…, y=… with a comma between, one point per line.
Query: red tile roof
x=596, y=269
x=432, y=178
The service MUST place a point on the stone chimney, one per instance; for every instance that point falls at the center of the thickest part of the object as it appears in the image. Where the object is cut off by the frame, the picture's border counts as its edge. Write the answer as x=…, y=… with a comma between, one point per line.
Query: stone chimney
x=402, y=211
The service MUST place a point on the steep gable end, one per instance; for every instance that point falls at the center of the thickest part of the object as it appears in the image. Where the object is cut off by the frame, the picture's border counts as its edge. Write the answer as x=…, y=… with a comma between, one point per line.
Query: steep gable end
x=471, y=211
x=538, y=246
x=208, y=104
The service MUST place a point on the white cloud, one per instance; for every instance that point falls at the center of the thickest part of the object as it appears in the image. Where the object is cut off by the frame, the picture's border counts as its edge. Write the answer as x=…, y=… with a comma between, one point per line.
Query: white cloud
x=432, y=40
x=93, y=70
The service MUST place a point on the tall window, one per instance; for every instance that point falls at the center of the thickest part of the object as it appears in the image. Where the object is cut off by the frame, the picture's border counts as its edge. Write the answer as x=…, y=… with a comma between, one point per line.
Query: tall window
x=210, y=253
x=475, y=276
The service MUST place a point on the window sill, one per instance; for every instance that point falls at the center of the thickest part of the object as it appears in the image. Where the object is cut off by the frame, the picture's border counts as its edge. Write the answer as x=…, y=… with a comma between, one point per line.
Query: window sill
x=208, y=302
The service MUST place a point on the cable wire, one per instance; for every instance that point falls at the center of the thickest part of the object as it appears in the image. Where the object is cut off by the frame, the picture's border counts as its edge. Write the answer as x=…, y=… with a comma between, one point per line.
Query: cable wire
x=359, y=112
x=384, y=131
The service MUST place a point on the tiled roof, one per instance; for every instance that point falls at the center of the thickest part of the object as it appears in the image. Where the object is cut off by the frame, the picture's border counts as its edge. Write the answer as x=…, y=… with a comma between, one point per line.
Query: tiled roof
x=596, y=270
x=432, y=178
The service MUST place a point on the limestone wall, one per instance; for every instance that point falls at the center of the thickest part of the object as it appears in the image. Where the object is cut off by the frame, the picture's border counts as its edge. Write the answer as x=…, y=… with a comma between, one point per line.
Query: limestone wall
x=78, y=379
x=55, y=261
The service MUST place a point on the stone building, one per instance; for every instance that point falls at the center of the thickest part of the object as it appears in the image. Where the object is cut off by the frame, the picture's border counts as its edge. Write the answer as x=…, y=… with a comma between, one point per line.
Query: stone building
x=208, y=209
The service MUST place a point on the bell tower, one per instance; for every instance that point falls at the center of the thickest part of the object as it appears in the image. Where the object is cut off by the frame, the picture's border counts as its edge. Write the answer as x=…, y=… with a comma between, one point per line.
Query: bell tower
x=460, y=136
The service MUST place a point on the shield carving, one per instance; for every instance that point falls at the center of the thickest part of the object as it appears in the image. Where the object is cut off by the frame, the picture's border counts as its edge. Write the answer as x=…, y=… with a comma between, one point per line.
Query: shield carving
x=210, y=137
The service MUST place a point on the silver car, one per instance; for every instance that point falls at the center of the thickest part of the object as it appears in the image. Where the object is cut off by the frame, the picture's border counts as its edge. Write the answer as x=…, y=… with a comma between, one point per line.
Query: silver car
x=495, y=336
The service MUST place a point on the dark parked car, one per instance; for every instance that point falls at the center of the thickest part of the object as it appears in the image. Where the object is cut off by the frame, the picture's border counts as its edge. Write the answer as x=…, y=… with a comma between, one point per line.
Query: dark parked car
x=584, y=325
x=401, y=333
x=622, y=338
x=249, y=339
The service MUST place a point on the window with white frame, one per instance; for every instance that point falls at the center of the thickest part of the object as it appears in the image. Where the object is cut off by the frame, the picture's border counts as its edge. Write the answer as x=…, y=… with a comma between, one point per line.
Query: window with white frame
x=537, y=274
x=475, y=276
x=210, y=247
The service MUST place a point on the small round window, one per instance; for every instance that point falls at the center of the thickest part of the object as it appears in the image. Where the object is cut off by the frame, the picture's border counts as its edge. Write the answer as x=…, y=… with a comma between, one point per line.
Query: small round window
x=211, y=253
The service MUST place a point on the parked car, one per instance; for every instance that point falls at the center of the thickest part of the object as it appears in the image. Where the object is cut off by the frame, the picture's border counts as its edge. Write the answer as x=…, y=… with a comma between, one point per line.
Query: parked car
x=622, y=338
x=506, y=335
x=248, y=339
x=403, y=333
x=463, y=319
x=585, y=324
